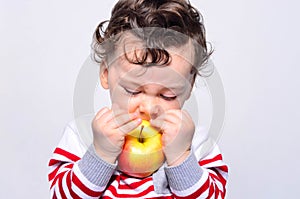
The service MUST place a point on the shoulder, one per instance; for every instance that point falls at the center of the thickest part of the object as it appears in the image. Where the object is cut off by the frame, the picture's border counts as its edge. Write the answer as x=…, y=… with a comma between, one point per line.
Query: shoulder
x=77, y=135
x=204, y=145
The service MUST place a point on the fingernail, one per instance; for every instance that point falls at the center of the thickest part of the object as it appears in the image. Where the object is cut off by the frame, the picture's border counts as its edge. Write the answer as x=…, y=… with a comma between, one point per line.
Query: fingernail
x=135, y=114
x=139, y=120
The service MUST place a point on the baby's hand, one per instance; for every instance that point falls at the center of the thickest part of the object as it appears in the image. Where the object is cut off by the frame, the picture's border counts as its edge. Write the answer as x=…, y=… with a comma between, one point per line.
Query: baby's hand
x=178, y=129
x=109, y=130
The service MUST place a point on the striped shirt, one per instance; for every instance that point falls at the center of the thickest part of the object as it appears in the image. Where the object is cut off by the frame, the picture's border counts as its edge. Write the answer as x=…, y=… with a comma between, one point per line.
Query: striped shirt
x=77, y=172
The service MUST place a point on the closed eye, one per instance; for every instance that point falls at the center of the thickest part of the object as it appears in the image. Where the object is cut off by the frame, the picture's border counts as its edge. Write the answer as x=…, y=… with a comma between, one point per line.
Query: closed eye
x=130, y=92
x=168, y=98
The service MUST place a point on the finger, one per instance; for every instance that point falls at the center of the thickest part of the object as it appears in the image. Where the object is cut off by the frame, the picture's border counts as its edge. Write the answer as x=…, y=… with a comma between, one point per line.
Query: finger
x=117, y=109
x=128, y=127
x=167, y=117
x=102, y=119
x=122, y=119
x=101, y=112
x=173, y=116
x=159, y=123
x=185, y=114
x=107, y=117
x=118, y=112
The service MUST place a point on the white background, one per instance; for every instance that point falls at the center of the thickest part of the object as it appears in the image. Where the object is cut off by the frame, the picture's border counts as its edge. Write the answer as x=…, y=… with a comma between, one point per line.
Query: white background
x=43, y=44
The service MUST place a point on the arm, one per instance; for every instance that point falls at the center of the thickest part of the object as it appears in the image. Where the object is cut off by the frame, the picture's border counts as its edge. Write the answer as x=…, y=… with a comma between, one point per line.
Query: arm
x=199, y=179
x=188, y=176
x=76, y=172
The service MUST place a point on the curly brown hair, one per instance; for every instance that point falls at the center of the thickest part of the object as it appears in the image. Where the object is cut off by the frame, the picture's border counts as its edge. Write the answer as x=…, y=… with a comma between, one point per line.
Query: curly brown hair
x=159, y=24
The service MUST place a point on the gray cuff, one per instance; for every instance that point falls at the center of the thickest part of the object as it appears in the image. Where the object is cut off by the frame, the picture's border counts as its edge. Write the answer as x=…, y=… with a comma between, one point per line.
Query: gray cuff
x=185, y=175
x=96, y=170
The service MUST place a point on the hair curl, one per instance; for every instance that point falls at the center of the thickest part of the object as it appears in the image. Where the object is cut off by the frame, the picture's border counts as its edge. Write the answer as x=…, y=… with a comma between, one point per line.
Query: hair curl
x=168, y=17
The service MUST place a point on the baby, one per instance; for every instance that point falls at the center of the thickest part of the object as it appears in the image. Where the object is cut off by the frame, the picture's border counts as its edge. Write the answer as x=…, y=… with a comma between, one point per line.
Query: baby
x=149, y=54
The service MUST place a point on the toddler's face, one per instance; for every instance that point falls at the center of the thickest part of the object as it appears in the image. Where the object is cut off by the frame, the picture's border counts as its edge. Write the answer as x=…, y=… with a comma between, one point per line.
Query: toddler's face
x=148, y=91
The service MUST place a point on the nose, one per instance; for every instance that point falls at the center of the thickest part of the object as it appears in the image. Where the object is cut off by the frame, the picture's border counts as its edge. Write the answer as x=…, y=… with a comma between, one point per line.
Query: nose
x=149, y=108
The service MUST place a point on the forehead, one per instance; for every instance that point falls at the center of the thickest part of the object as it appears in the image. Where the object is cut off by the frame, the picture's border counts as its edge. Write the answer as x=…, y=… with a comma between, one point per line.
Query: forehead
x=175, y=75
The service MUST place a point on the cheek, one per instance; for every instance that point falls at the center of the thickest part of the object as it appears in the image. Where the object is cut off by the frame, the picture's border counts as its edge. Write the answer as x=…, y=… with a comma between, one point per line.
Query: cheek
x=132, y=104
x=118, y=98
x=124, y=101
x=173, y=105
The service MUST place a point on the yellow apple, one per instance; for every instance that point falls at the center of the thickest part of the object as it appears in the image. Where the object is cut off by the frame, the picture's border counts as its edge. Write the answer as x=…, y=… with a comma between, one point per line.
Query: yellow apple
x=142, y=151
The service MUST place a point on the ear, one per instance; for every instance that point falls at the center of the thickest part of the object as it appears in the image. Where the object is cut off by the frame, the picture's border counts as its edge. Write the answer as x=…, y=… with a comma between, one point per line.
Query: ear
x=104, y=75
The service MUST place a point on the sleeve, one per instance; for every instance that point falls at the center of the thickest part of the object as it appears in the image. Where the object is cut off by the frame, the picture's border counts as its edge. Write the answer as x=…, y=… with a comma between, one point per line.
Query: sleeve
x=75, y=171
x=205, y=178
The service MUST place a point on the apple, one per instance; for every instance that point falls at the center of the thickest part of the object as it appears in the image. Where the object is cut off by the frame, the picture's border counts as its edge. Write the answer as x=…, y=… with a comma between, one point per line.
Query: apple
x=142, y=151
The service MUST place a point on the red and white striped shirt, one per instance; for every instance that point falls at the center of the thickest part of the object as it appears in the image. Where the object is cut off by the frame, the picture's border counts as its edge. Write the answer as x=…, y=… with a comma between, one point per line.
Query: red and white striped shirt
x=77, y=172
